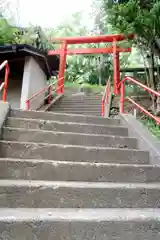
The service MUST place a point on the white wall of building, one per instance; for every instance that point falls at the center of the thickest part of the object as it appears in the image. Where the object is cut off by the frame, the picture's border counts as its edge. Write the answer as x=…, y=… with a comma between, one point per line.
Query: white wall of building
x=13, y=92
x=34, y=79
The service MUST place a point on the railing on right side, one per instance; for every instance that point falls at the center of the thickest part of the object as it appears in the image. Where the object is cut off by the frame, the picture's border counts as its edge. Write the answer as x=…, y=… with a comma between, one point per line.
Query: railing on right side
x=142, y=109
x=105, y=98
x=4, y=85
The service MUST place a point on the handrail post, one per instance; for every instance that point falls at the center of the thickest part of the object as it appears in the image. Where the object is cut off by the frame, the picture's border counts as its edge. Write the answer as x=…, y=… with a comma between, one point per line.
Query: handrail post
x=107, y=93
x=122, y=97
x=62, y=90
x=4, y=97
x=102, y=107
x=28, y=104
x=49, y=94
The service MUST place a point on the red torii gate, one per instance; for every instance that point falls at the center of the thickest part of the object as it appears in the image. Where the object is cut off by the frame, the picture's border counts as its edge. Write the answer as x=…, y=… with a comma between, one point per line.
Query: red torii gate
x=63, y=52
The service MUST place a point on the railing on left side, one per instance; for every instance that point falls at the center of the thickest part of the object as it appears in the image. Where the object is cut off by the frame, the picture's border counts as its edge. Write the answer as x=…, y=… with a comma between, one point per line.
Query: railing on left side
x=105, y=98
x=50, y=88
x=142, y=109
x=4, y=85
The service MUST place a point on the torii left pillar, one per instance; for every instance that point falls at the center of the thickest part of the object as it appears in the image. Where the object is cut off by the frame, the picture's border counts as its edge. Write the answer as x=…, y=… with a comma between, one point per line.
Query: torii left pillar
x=116, y=69
x=62, y=67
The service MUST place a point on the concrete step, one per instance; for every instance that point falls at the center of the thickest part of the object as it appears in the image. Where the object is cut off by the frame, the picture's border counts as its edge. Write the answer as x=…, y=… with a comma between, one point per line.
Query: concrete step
x=92, y=113
x=34, y=135
x=47, y=194
x=67, y=126
x=30, y=169
x=80, y=103
x=84, y=111
x=77, y=108
x=25, y=150
x=82, y=97
x=81, y=224
x=62, y=117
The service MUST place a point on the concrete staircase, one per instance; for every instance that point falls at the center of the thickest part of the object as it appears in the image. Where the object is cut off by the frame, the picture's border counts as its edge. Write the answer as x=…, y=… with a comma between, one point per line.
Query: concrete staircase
x=75, y=177
x=79, y=104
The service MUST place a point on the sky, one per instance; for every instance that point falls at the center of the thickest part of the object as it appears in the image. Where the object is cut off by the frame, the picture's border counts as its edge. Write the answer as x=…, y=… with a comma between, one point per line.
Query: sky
x=49, y=13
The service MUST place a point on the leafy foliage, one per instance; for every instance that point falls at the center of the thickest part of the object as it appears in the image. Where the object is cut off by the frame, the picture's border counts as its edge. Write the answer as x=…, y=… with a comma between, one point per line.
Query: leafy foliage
x=141, y=18
x=82, y=68
x=7, y=33
x=32, y=35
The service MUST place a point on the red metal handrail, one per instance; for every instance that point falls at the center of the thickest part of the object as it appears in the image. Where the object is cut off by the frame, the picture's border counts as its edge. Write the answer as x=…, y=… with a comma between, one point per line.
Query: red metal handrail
x=4, y=85
x=106, y=96
x=142, y=109
x=49, y=88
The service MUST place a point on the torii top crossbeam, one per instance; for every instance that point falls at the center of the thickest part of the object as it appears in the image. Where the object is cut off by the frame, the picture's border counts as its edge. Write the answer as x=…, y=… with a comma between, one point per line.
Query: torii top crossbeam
x=92, y=39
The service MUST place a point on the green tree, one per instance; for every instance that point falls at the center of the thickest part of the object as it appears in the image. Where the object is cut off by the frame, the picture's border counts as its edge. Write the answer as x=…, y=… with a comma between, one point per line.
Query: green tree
x=7, y=33
x=142, y=18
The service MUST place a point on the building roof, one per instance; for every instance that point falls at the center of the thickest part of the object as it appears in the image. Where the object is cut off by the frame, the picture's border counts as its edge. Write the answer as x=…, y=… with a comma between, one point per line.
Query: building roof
x=15, y=52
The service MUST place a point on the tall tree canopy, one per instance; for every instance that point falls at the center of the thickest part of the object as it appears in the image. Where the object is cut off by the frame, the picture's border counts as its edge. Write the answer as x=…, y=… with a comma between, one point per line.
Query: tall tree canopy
x=142, y=18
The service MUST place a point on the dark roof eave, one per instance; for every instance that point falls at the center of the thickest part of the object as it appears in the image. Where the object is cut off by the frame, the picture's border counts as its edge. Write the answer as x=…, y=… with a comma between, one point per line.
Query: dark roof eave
x=6, y=49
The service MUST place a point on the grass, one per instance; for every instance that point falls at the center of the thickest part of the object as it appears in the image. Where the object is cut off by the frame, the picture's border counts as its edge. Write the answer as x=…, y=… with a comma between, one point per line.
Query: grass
x=152, y=126
x=129, y=89
x=94, y=88
x=72, y=84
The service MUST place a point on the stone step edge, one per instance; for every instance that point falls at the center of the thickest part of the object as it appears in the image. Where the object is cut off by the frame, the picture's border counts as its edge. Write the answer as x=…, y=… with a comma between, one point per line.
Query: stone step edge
x=52, y=113
x=71, y=163
x=80, y=101
x=11, y=183
x=74, y=146
x=66, y=123
x=89, y=109
x=68, y=133
x=70, y=110
x=11, y=215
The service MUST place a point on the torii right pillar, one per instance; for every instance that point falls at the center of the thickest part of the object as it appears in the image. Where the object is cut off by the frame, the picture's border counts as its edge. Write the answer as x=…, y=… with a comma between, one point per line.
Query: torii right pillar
x=116, y=69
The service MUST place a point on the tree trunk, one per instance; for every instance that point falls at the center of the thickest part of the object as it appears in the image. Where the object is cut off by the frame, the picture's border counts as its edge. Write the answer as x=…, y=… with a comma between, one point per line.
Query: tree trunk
x=155, y=99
